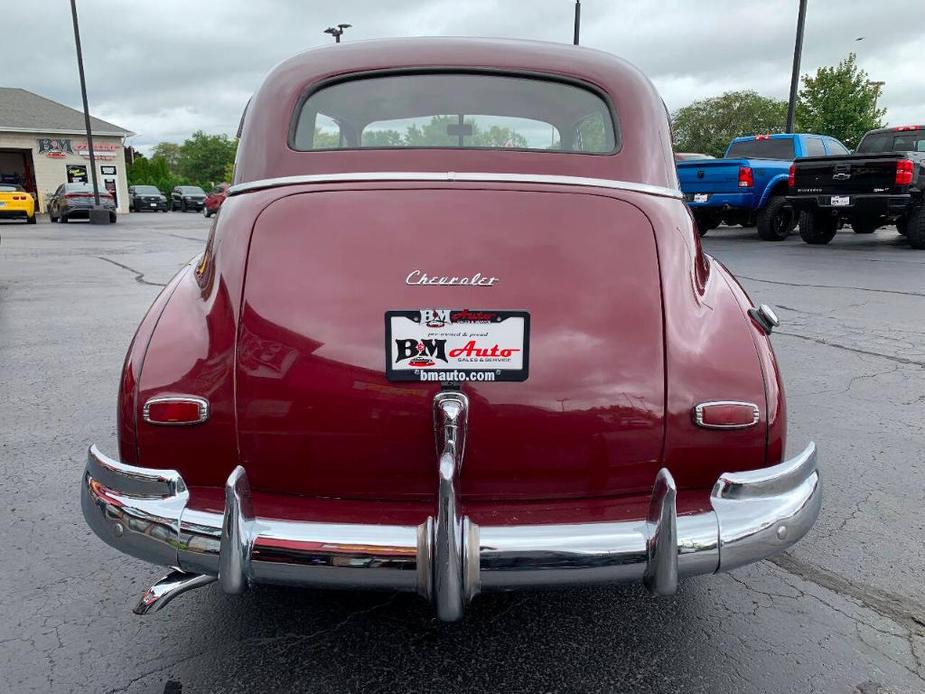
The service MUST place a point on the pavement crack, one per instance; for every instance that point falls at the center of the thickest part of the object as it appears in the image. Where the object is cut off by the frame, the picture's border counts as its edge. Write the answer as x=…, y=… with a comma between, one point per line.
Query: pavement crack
x=139, y=276
x=901, y=610
x=830, y=286
x=820, y=341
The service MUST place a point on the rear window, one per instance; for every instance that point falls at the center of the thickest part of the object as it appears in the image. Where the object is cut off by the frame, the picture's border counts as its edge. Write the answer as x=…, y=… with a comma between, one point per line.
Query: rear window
x=893, y=141
x=780, y=148
x=455, y=110
x=10, y=188
x=147, y=190
x=192, y=190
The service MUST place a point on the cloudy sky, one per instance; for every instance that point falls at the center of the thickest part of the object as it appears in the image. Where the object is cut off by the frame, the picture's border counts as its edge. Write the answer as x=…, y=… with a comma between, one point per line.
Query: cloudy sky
x=164, y=68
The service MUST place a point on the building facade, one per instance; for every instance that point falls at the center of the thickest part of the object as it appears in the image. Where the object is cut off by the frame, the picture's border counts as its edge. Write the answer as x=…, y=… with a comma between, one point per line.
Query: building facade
x=44, y=143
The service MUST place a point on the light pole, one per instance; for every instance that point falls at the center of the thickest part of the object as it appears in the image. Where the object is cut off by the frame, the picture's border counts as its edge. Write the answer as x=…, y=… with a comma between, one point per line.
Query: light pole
x=878, y=85
x=795, y=77
x=337, y=31
x=577, y=21
x=98, y=215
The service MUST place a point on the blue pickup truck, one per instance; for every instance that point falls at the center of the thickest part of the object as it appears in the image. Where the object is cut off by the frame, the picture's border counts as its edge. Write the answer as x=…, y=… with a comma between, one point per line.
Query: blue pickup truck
x=748, y=186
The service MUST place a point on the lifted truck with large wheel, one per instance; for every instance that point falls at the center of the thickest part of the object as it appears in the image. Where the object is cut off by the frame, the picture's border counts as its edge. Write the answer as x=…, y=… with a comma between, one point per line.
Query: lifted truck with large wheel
x=748, y=186
x=882, y=183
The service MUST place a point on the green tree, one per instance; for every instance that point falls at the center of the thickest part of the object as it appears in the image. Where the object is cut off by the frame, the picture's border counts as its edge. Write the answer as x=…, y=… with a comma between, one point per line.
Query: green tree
x=203, y=157
x=710, y=124
x=839, y=101
x=170, y=153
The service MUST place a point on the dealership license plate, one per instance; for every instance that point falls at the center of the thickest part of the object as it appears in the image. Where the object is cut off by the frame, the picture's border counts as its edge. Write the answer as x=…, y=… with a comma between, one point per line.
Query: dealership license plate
x=457, y=345
x=841, y=200
x=153, y=204
x=701, y=197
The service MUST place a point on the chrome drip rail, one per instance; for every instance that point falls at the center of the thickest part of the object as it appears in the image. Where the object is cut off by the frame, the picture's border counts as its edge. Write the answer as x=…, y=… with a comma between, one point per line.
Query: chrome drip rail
x=448, y=559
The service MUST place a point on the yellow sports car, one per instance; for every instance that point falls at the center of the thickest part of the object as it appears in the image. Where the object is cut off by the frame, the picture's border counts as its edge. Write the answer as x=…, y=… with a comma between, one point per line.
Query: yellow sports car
x=16, y=203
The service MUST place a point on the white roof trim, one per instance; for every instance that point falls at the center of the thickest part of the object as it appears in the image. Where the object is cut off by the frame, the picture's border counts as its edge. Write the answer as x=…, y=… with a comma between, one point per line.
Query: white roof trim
x=458, y=177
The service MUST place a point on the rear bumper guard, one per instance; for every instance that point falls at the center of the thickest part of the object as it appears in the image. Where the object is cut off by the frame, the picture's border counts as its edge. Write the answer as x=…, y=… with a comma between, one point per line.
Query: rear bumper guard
x=448, y=559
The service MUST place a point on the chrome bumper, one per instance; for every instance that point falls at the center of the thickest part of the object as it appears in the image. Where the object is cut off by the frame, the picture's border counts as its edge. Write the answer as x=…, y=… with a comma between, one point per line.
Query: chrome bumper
x=448, y=559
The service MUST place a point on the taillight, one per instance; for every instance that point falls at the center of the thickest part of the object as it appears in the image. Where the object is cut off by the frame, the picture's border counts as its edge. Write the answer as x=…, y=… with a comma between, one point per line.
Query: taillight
x=725, y=414
x=176, y=410
x=762, y=137
x=78, y=195
x=903, y=128
x=746, y=177
x=792, y=176
x=904, y=169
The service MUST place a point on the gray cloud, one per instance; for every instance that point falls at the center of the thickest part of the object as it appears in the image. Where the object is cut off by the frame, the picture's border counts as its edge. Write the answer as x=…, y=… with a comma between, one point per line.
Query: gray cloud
x=165, y=68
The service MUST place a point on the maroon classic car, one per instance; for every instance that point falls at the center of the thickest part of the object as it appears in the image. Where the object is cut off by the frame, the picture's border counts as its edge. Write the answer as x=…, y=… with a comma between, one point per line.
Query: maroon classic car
x=453, y=332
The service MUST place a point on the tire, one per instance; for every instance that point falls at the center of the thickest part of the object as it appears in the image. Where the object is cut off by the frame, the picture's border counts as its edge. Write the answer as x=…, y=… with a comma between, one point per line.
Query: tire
x=776, y=220
x=62, y=219
x=817, y=230
x=915, y=228
x=706, y=222
x=206, y=213
x=865, y=225
x=182, y=207
x=31, y=220
x=52, y=218
x=112, y=219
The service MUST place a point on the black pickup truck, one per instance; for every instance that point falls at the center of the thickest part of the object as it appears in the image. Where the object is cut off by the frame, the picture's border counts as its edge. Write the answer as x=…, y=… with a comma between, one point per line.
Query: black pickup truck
x=882, y=183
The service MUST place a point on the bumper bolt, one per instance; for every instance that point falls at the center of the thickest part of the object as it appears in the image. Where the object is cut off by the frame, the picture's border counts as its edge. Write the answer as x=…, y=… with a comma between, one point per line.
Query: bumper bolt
x=781, y=532
x=118, y=529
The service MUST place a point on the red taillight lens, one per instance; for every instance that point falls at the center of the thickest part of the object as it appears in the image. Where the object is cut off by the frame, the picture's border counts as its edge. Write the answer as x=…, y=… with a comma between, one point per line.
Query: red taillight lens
x=726, y=415
x=176, y=410
x=904, y=169
x=746, y=177
x=792, y=176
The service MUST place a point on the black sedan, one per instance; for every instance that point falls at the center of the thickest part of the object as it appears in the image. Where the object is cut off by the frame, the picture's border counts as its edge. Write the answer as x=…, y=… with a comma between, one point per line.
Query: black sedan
x=186, y=198
x=146, y=198
x=74, y=201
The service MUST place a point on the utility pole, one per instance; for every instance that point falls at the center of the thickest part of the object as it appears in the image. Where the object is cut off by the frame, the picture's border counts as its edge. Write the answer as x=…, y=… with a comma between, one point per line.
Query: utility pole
x=337, y=31
x=98, y=215
x=878, y=85
x=795, y=77
x=577, y=21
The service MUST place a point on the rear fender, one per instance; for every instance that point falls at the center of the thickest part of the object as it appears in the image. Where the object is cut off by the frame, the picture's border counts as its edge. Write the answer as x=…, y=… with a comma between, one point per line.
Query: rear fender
x=710, y=354
x=190, y=351
x=776, y=186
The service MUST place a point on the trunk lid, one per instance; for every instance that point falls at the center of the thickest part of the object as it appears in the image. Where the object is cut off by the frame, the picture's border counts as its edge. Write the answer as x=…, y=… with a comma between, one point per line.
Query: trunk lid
x=316, y=414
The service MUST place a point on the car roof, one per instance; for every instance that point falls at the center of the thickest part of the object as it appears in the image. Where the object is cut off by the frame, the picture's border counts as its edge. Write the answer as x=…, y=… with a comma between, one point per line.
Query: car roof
x=645, y=155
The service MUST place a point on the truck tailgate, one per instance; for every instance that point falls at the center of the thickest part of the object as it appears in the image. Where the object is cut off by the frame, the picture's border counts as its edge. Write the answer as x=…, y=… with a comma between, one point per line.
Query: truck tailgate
x=858, y=174
x=710, y=175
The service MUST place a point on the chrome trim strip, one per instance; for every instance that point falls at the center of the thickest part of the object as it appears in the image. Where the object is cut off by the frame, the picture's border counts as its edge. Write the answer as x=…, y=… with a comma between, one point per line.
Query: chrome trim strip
x=661, y=577
x=754, y=515
x=698, y=414
x=455, y=176
x=201, y=402
x=450, y=413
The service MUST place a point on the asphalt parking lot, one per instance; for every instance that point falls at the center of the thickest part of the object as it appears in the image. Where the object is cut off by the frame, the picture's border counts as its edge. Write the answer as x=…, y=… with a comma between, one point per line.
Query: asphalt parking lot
x=843, y=611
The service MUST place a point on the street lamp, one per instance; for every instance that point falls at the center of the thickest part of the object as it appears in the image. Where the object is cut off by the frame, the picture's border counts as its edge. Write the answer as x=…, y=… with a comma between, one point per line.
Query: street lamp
x=337, y=31
x=98, y=214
